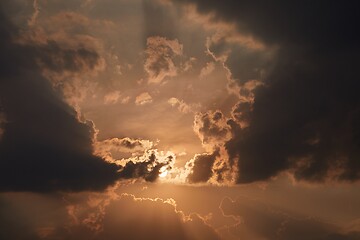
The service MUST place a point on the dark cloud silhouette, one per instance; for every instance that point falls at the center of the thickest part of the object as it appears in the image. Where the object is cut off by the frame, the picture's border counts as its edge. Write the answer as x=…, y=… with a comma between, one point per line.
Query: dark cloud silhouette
x=129, y=143
x=202, y=165
x=149, y=169
x=306, y=115
x=244, y=60
x=44, y=146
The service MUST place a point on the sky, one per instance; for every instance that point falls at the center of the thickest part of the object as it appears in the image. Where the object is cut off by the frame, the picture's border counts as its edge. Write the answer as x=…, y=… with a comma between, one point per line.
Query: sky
x=179, y=119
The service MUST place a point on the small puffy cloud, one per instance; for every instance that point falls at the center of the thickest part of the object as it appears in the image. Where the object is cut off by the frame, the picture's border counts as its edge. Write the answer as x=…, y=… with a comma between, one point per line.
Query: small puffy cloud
x=160, y=54
x=143, y=98
x=107, y=147
x=125, y=100
x=112, y=97
x=180, y=104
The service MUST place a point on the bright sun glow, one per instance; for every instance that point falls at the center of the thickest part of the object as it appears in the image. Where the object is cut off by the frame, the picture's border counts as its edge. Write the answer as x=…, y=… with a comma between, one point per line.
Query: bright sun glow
x=163, y=174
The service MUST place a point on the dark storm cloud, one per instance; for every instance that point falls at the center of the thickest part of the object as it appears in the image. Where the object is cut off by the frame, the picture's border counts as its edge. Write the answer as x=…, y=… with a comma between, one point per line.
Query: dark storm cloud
x=244, y=62
x=242, y=111
x=44, y=147
x=278, y=22
x=306, y=116
x=202, y=166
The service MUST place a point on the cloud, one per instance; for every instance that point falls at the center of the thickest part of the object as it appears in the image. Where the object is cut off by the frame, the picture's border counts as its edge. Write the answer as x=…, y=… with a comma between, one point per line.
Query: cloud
x=256, y=220
x=304, y=116
x=32, y=20
x=208, y=69
x=112, y=97
x=127, y=144
x=148, y=167
x=63, y=40
x=143, y=98
x=135, y=212
x=181, y=105
x=100, y=216
x=212, y=129
x=45, y=146
x=110, y=147
x=160, y=54
x=201, y=167
x=243, y=62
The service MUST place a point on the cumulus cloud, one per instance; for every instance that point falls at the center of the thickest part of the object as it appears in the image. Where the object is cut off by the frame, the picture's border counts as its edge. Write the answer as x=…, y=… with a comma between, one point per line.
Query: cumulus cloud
x=160, y=54
x=304, y=117
x=181, y=105
x=201, y=167
x=109, y=147
x=243, y=62
x=147, y=167
x=44, y=146
x=212, y=129
x=143, y=98
x=112, y=97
